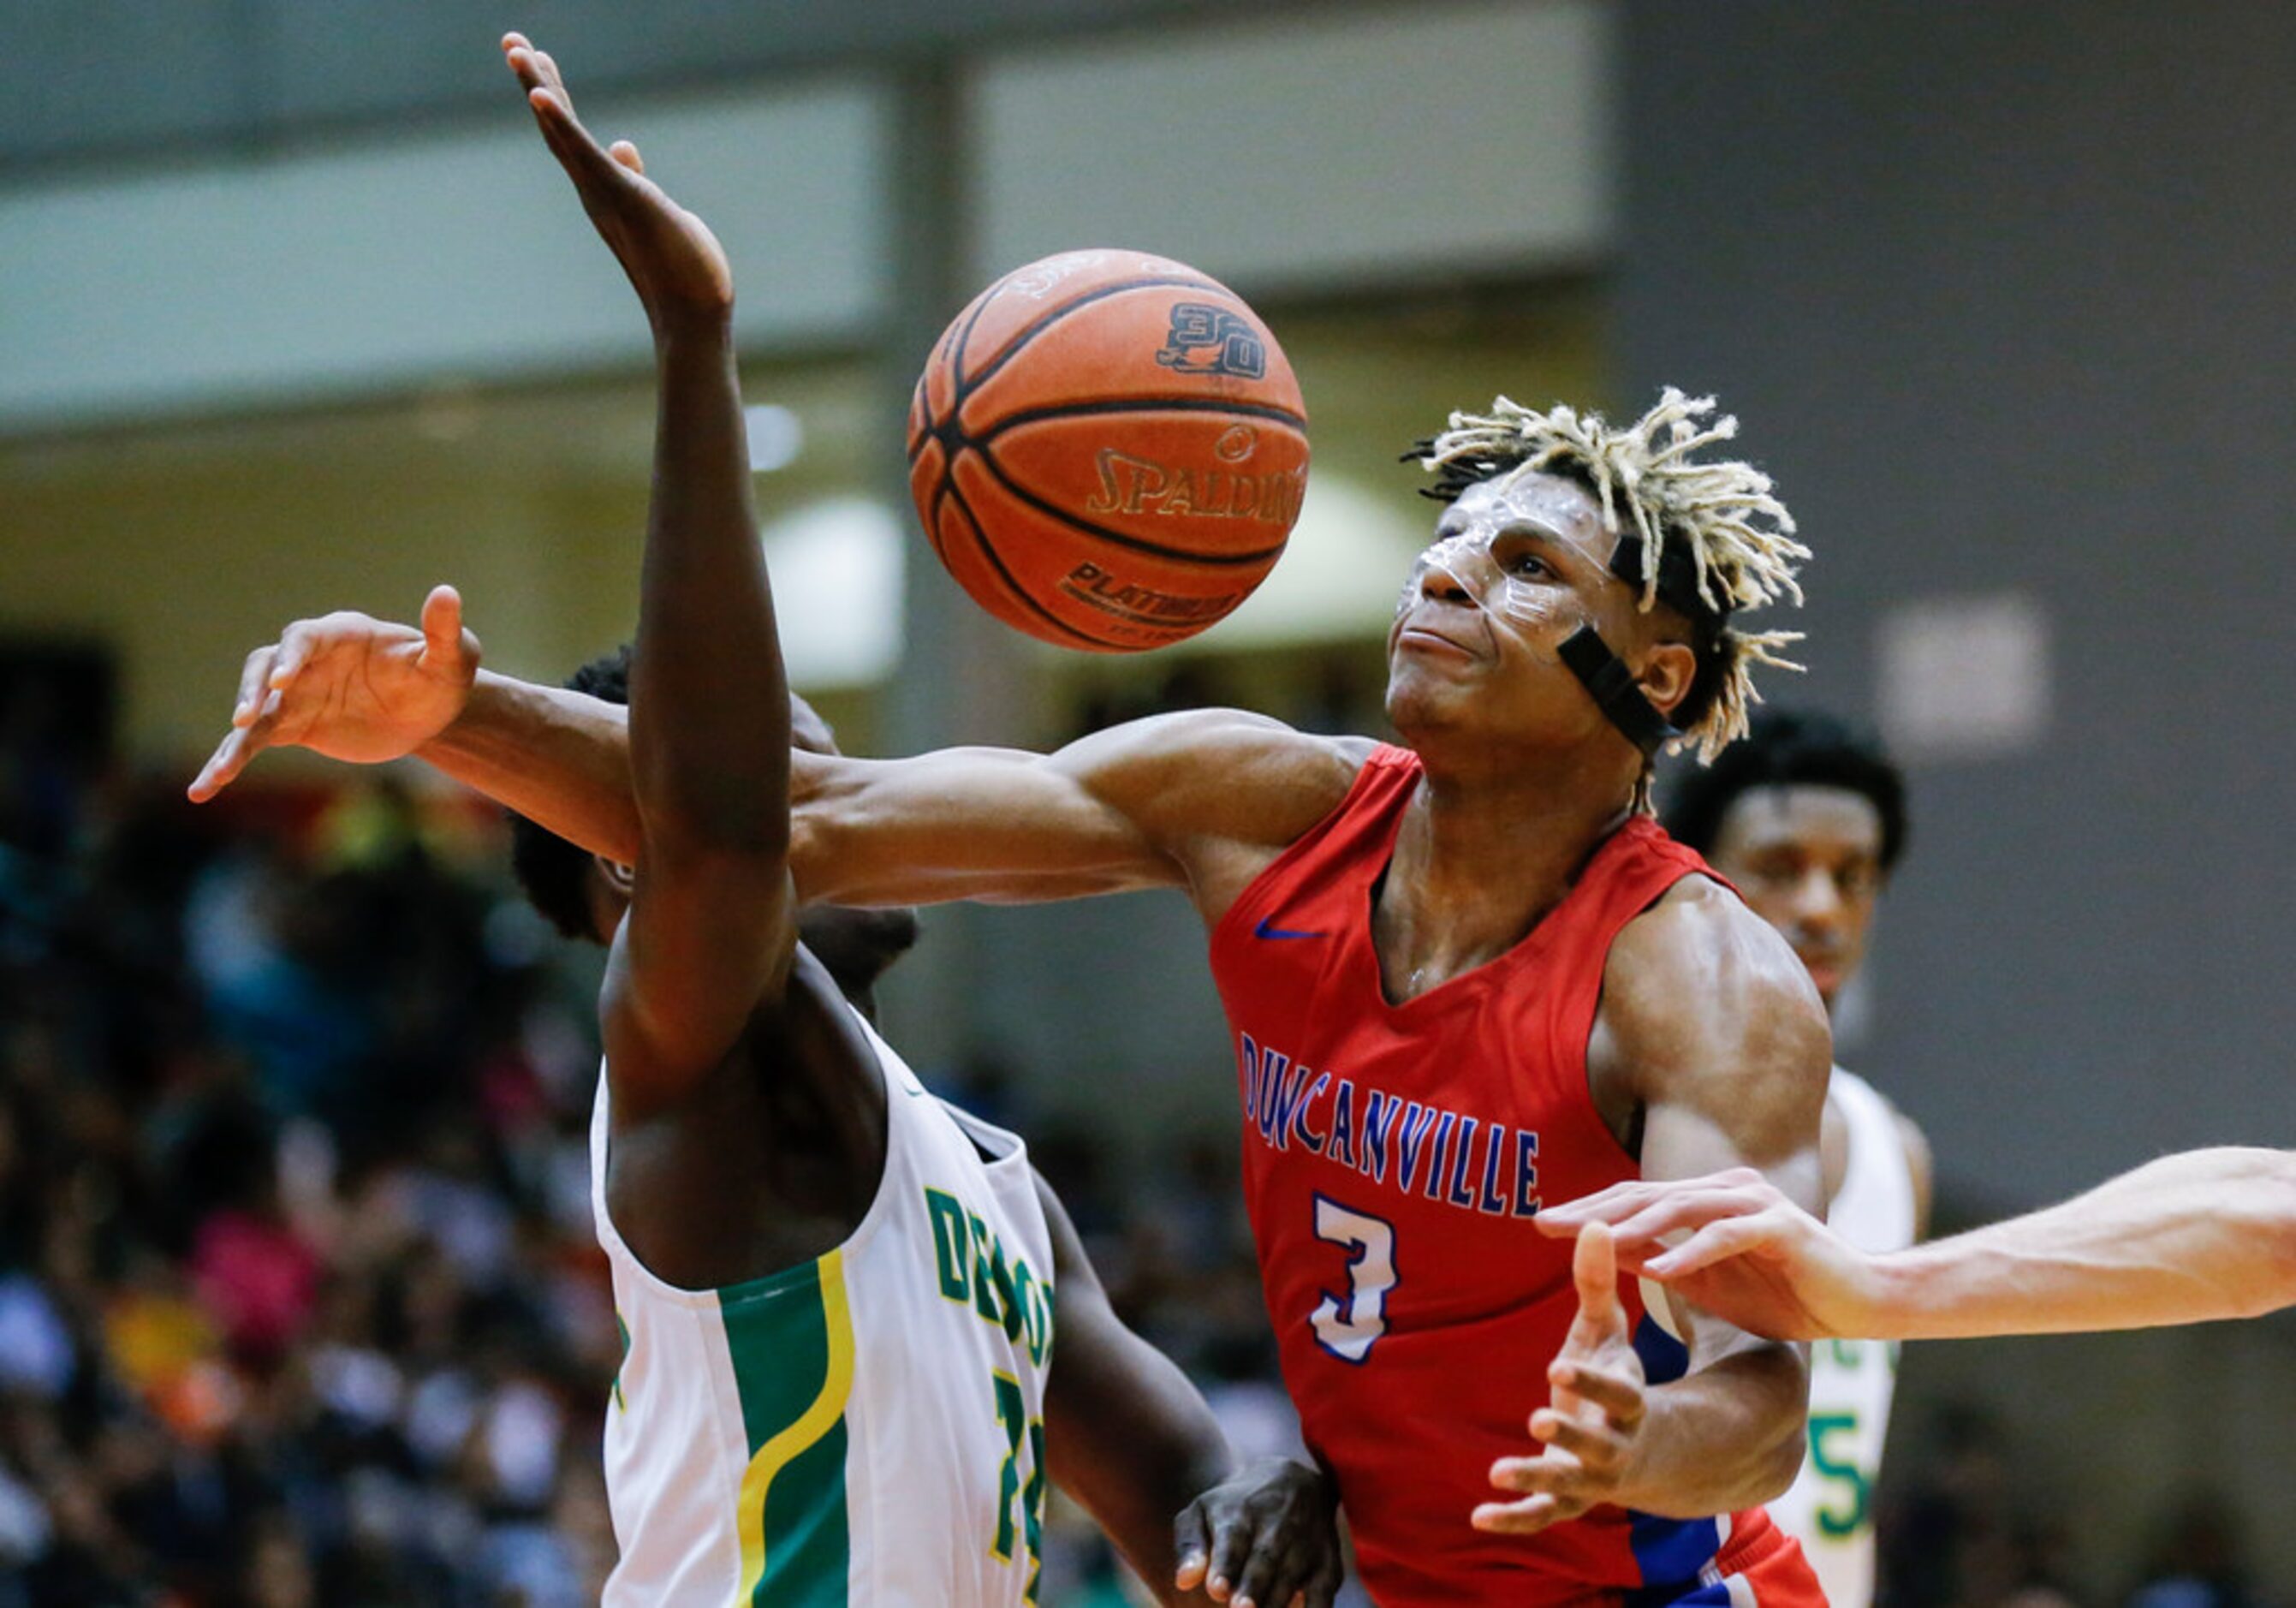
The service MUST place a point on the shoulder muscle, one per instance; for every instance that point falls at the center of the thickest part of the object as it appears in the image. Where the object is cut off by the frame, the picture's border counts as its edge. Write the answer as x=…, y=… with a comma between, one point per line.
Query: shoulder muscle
x=1217, y=792
x=1706, y=1014
x=1166, y=801
x=1216, y=773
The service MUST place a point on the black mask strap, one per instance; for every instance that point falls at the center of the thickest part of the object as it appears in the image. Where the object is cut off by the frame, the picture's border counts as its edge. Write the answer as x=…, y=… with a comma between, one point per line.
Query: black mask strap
x=1612, y=686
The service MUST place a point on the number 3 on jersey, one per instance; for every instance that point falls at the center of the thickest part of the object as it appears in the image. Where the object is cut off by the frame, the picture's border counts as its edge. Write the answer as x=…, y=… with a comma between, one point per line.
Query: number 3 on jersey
x=1348, y=1327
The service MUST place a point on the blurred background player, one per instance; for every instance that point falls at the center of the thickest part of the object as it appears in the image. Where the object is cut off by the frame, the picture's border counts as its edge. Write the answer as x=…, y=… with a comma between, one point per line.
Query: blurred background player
x=1462, y=977
x=1806, y=817
x=837, y=1296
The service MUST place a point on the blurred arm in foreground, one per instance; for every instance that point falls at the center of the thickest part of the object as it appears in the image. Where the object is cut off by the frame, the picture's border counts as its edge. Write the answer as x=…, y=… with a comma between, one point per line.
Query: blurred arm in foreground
x=2190, y=1238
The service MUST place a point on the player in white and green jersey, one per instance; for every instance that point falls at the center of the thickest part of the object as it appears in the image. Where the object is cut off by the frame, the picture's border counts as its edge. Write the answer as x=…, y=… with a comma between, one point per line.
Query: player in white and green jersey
x=871, y=1421
x=841, y=1300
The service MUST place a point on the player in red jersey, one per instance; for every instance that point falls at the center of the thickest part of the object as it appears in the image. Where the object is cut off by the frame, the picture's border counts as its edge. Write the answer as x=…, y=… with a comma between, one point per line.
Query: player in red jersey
x=1464, y=978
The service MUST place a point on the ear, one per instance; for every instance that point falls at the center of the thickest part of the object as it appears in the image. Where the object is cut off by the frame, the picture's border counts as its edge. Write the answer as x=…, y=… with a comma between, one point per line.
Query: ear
x=1668, y=669
x=616, y=874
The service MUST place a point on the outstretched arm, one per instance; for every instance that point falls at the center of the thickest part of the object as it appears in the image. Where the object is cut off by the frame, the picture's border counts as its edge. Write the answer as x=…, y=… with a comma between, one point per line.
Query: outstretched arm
x=2190, y=1238
x=712, y=928
x=1198, y=800
x=1194, y=800
x=1148, y=804
x=1131, y=1440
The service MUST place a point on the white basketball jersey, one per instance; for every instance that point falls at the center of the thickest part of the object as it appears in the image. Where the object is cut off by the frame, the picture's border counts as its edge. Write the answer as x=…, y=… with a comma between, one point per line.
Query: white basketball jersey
x=866, y=1427
x=1830, y=1510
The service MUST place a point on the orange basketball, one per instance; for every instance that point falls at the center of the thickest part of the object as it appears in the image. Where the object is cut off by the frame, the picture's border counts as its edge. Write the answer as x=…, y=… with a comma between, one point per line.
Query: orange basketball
x=1108, y=450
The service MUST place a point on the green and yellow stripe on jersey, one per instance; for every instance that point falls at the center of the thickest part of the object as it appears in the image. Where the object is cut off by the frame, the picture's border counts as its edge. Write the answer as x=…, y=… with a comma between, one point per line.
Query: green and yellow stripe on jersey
x=790, y=1339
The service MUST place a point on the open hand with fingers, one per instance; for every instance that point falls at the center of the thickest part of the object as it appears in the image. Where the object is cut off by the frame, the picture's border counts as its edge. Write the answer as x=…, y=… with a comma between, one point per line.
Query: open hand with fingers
x=1267, y=1538
x=349, y=686
x=675, y=263
x=1589, y=1427
x=1731, y=1243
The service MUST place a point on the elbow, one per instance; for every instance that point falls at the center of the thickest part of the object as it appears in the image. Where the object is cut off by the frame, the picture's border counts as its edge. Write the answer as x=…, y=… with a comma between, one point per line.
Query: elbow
x=1775, y=1458
x=1779, y=1464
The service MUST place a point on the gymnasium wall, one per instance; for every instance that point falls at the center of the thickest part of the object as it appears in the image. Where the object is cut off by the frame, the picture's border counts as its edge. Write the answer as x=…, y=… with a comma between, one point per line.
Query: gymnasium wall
x=247, y=76
x=220, y=361
x=2003, y=294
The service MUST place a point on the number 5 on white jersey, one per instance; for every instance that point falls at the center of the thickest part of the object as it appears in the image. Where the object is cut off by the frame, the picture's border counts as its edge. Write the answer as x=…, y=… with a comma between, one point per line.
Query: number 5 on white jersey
x=1347, y=1329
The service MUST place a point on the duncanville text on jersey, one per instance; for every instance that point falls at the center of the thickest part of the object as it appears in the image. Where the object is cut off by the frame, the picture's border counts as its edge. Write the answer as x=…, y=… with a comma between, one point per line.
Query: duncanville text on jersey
x=1449, y=1156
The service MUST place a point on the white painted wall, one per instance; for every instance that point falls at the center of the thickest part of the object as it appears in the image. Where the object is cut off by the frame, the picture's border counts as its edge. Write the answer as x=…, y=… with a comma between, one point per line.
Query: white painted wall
x=1359, y=148
x=1443, y=137
x=337, y=272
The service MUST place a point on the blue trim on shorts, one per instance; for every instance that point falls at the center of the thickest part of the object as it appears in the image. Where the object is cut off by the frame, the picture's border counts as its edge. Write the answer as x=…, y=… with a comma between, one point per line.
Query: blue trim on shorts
x=1717, y=1595
x=1670, y=1552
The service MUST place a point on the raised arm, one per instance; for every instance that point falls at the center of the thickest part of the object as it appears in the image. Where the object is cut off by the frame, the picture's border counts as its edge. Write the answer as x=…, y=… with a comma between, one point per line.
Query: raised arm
x=1711, y=1041
x=2191, y=1238
x=712, y=928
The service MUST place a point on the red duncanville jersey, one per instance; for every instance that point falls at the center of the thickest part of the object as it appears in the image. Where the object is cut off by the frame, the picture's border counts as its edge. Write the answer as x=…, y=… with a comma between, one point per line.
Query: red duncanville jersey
x=1393, y=1158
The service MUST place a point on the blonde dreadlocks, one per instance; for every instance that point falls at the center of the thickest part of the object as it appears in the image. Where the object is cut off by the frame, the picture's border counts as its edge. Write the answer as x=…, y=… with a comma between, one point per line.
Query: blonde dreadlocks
x=1712, y=537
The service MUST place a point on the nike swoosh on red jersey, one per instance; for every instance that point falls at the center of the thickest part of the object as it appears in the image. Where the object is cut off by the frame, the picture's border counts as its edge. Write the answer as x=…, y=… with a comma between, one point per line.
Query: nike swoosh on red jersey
x=1268, y=929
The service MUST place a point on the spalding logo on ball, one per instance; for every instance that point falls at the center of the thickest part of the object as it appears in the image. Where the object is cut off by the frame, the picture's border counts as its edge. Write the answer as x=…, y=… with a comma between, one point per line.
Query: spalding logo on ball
x=1108, y=450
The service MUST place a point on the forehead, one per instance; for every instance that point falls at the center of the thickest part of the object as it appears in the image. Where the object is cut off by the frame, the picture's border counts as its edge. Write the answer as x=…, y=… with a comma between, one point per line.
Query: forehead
x=1544, y=503
x=1553, y=501
x=1812, y=817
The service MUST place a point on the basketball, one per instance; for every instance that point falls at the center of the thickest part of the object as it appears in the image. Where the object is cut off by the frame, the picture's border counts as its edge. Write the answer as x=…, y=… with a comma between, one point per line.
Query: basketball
x=1108, y=450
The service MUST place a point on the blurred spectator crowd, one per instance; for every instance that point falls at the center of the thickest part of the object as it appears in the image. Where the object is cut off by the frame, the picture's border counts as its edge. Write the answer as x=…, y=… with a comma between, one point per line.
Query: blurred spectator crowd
x=297, y=1299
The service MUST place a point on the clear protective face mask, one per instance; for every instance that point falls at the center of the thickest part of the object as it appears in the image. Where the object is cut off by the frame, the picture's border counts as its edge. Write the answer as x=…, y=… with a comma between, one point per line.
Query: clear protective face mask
x=1490, y=548
x=1515, y=550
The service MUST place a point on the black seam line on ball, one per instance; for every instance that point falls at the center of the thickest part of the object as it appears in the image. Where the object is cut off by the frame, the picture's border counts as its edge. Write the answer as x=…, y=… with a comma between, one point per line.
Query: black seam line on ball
x=1143, y=405
x=980, y=540
x=965, y=387
x=932, y=525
